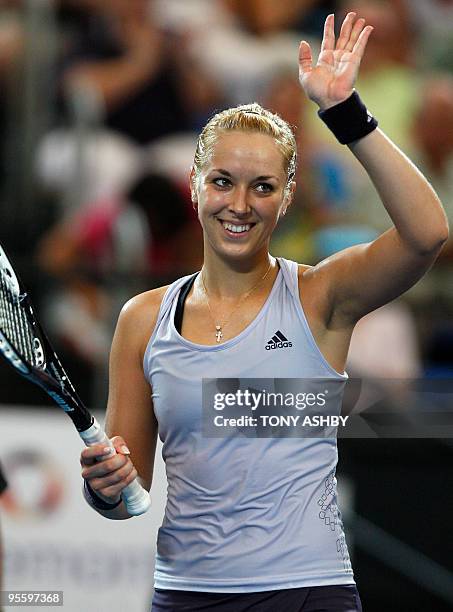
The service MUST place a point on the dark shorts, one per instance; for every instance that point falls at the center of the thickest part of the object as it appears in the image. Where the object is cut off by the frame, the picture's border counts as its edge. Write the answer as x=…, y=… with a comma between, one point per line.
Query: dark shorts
x=341, y=598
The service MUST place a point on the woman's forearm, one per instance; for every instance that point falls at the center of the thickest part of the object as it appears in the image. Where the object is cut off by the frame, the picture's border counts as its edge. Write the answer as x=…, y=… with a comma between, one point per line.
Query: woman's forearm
x=411, y=202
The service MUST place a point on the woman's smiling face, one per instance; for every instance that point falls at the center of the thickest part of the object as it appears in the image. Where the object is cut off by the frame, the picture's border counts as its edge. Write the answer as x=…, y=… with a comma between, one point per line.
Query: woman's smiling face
x=241, y=193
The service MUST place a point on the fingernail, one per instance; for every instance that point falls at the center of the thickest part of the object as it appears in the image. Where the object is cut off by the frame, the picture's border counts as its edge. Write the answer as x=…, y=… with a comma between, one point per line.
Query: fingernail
x=108, y=450
x=125, y=450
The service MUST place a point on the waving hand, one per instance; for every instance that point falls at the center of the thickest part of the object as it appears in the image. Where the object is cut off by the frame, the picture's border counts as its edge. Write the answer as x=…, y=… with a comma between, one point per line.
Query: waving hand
x=332, y=79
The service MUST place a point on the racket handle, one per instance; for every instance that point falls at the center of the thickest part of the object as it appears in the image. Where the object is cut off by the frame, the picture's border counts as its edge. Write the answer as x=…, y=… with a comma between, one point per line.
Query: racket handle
x=136, y=498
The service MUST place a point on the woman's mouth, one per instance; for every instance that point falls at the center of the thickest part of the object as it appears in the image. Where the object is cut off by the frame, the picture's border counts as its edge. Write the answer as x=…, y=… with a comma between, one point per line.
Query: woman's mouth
x=236, y=229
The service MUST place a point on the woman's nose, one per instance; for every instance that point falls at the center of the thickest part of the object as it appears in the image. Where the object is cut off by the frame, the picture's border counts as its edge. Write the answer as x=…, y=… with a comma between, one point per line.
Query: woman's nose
x=239, y=203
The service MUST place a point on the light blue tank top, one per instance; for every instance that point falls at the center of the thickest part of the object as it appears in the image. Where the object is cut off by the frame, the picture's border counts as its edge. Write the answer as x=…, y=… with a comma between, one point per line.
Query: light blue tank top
x=243, y=514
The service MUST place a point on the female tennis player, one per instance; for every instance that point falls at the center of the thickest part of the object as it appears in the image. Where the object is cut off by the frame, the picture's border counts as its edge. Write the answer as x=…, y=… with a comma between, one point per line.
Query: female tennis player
x=252, y=523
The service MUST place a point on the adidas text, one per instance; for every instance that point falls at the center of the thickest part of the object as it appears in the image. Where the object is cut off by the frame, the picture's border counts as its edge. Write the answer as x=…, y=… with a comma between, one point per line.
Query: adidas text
x=278, y=345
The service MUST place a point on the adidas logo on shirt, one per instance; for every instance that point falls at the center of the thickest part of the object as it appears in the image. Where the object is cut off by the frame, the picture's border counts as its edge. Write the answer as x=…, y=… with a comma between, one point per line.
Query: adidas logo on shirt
x=277, y=341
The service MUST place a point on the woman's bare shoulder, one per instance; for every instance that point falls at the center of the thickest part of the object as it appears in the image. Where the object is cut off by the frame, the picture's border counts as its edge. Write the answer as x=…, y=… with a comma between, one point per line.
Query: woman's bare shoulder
x=302, y=269
x=145, y=303
x=316, y=275
x=139, y=314
x=307, y=275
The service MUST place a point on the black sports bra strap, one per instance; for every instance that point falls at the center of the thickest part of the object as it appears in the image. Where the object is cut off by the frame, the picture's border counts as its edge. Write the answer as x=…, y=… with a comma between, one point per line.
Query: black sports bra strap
x=183, y=293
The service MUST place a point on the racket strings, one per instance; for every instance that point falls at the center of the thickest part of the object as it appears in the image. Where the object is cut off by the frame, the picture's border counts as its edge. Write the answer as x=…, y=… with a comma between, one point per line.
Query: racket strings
x=14, y=323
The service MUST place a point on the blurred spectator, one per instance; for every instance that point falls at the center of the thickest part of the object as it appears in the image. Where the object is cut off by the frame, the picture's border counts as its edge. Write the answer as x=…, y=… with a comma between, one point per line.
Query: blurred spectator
x=293, y=236
x=84, y=170
x=203, y=95
x=384, y=344
x=392, y=41
x=117, y=58
x=263, y=17
x=432, y=131
x=72, y=15
x=155, y=217
x=11, y=48
x=432, y=20
x=312, y=20
x=230, y=47
x=121, y=52
x=123, y=55
x=11, y=36
x=388, y=76
x=433, y=152
x=435, y=324
x=176, y=243
x=259, y=16
x=149, y=231
x=191, y=18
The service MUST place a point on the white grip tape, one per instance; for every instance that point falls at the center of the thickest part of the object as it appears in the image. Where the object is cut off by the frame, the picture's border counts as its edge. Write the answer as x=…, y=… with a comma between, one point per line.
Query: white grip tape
x=136, y=499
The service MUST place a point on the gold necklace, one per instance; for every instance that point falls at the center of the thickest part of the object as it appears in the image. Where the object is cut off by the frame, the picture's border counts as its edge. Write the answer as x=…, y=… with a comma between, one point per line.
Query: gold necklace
x=219, y=326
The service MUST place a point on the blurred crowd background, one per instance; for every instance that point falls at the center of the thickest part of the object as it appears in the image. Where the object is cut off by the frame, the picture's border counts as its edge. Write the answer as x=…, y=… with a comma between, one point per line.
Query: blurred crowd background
x=100, y=106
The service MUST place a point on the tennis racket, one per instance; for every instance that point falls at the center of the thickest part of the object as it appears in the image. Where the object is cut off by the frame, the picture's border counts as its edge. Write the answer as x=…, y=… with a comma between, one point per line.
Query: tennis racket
x=25, y=346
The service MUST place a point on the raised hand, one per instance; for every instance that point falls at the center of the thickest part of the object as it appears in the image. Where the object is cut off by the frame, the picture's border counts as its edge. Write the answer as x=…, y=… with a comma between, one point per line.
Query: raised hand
x=332, y=79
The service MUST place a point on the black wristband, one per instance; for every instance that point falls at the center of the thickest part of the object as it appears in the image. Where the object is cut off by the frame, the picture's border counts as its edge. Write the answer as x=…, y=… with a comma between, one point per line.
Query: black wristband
x=349, y=120
x=95, y=501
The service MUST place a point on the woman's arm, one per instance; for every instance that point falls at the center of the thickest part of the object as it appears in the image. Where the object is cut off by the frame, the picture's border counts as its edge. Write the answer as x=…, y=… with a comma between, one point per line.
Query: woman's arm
x=130, y=419
x=367, y=276
x=364, y=277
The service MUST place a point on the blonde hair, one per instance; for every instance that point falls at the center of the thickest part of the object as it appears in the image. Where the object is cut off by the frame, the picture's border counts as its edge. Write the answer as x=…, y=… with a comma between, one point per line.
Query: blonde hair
x=248, y=118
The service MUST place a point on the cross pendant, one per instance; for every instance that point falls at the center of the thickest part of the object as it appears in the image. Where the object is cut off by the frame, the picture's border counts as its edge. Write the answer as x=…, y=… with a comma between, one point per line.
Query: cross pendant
x=218, y=334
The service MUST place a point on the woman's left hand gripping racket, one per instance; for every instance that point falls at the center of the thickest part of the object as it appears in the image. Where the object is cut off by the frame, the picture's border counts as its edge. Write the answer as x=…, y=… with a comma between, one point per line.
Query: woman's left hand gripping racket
x=25, y=346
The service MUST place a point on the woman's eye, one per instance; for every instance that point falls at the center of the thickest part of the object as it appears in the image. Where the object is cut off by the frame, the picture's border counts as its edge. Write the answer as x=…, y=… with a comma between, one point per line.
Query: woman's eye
x=221, y=182
x=264, y=187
